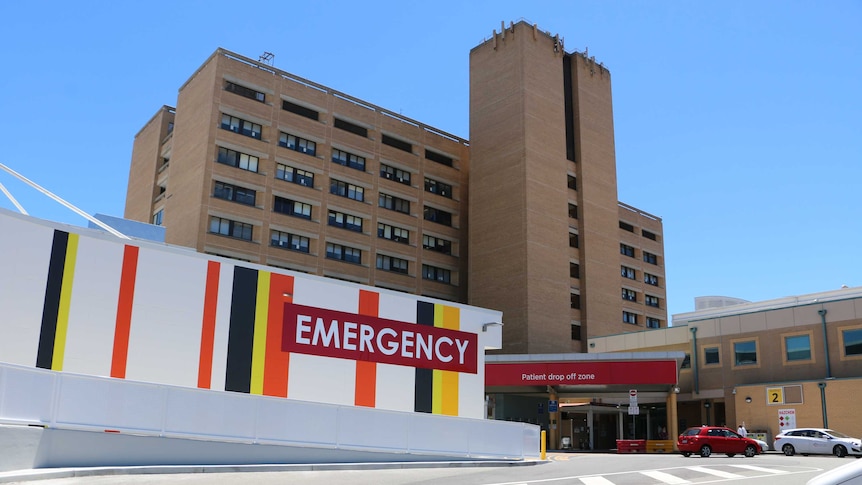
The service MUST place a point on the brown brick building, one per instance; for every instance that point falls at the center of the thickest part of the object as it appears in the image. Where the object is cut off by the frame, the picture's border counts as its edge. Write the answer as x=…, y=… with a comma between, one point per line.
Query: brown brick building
x=261, y=165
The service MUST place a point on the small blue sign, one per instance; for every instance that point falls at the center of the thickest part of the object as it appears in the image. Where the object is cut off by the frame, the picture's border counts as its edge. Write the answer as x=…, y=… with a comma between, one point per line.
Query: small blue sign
x=541, y=408
x=553, y=406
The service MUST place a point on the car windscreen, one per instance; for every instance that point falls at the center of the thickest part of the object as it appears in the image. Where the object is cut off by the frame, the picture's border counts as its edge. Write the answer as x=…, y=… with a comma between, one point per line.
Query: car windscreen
x=836, y=433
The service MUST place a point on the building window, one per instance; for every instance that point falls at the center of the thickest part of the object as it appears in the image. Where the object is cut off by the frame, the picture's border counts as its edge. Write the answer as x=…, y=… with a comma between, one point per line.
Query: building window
x=575, y=301
x=437, y=215
x=343, y=253
x=573, y=240
x=348, y=159
x=650, y=258
x=159, y=217
x=574, y=270
x=439, y=188
x=629, y=317
x=297, y=144
x=244, y=91
x=627, y=250
x=394, y=203
x=629, y=295
x=438, y=157
x=627, y=272
x=396, y=143
x=745, y=352
x=291, y=207
x=234, y=193
x=436, y=274
x=650, y=300
x=289, y=241
x=797, y=347
x=391, y=263
x=652, y=322
x=650, y=279
x=345, y=221
x=347, y=190
x=241, y=126
x=237, y=159
x=300, y=110
x=852, y=341
x=711, y=356
x=351, y=127
x=227, y=227
x=432, y=243
x=572, y=182
x=396, y=174
x=576, y=332
x=295, y=175
x=649, y=235
x=627, y=227
x=686, y=362
x=573, y=211
x=393, y=233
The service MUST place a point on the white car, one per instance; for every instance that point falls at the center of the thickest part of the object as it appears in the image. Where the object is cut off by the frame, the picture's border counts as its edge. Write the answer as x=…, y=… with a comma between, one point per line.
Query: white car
x=822, y=441
x=763, y=446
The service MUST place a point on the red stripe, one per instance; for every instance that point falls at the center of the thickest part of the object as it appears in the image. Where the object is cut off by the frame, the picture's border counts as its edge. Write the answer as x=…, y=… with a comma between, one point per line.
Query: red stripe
x=205, y=364
x=277, y=361
x=124, y=312
x=366, y=372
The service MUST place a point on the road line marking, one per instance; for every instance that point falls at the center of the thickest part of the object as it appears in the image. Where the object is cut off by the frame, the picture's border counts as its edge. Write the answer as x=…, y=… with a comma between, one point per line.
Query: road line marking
x=760, y=469
x=718, y=473
x=664, y=477
x=596, y=481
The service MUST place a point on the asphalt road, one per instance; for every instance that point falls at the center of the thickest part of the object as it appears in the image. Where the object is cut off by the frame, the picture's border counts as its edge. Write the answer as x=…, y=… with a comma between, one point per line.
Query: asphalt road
x=559, y=469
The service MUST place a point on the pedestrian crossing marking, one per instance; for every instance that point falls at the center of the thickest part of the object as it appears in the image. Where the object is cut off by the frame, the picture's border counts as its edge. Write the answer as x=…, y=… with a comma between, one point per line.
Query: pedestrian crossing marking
x=760, y=469
x=596, y=481
x=664, y=477
x=717, y=473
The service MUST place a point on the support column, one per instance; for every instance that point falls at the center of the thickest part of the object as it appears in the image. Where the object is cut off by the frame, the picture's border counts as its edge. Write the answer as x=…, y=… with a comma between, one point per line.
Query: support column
x=672, y=418
x=553, y=420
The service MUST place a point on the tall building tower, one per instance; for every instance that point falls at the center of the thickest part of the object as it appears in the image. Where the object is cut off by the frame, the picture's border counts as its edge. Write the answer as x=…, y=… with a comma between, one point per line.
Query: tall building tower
x=550, y=244
x=261, y=165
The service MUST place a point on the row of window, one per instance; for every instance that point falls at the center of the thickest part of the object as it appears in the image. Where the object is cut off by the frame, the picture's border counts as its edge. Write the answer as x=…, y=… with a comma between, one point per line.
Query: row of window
x=633, y=319
x=306, y=178
x=629, y=273
x=630, y=228
x=350, y=222
x=337, y=123
x=631, y=295
x=629, y=251
x=796, y=349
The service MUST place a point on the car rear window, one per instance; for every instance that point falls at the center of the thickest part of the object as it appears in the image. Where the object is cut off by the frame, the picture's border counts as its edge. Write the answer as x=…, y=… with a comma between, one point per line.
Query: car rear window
x=691, y=432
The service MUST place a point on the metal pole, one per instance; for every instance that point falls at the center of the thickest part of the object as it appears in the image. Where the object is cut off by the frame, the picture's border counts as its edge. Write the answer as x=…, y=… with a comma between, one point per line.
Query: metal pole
x=822, y=386
x=694, y=359
x=822, y=314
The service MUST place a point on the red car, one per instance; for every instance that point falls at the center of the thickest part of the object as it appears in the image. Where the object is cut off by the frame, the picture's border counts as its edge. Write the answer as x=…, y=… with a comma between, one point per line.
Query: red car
x=706, y=440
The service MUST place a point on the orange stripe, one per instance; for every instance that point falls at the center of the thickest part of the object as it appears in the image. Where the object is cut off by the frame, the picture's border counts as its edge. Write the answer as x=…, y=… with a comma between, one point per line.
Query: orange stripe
x=124, y=312
x=276, y=362
x=366, y=372
x=205, y=364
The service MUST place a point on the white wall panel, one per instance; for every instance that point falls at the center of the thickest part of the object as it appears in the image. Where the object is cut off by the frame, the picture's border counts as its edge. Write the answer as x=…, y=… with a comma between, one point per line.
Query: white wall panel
x=322, y=294
x=395, y=384
x=26, y=394
x=110, y=403
x=25, y=251
x=225, y=289
x=93, y=308
x=369, y=427
x=165, y=336
x=429, y=433
x=333, y=380
x=297, y=421
x=210, y=413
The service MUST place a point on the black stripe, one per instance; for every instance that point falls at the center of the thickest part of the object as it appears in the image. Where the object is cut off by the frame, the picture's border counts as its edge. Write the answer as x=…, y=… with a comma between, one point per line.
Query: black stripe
x=241, y=333
x=568, y=96
x=51, y=306
x=423, y=393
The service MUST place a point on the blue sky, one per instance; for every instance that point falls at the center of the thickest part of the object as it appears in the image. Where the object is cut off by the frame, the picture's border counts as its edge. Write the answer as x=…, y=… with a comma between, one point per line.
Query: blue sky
x=737, y=122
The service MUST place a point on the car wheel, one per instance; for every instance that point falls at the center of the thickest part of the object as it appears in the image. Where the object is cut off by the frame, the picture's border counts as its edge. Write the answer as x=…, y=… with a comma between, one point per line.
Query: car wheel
x=705, y=451
x=731, y=455
x=839, y=451
x=750, y=451
x=686, y=454
x=788, y=449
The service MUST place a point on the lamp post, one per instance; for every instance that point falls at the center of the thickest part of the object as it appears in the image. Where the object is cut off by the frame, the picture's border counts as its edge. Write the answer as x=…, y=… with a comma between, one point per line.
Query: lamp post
x=822, y=313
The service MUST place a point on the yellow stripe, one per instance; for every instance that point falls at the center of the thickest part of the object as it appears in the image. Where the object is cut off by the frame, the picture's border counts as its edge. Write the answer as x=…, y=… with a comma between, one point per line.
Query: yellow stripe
x=258, y=352
x=65, y=303
x=445, y=390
